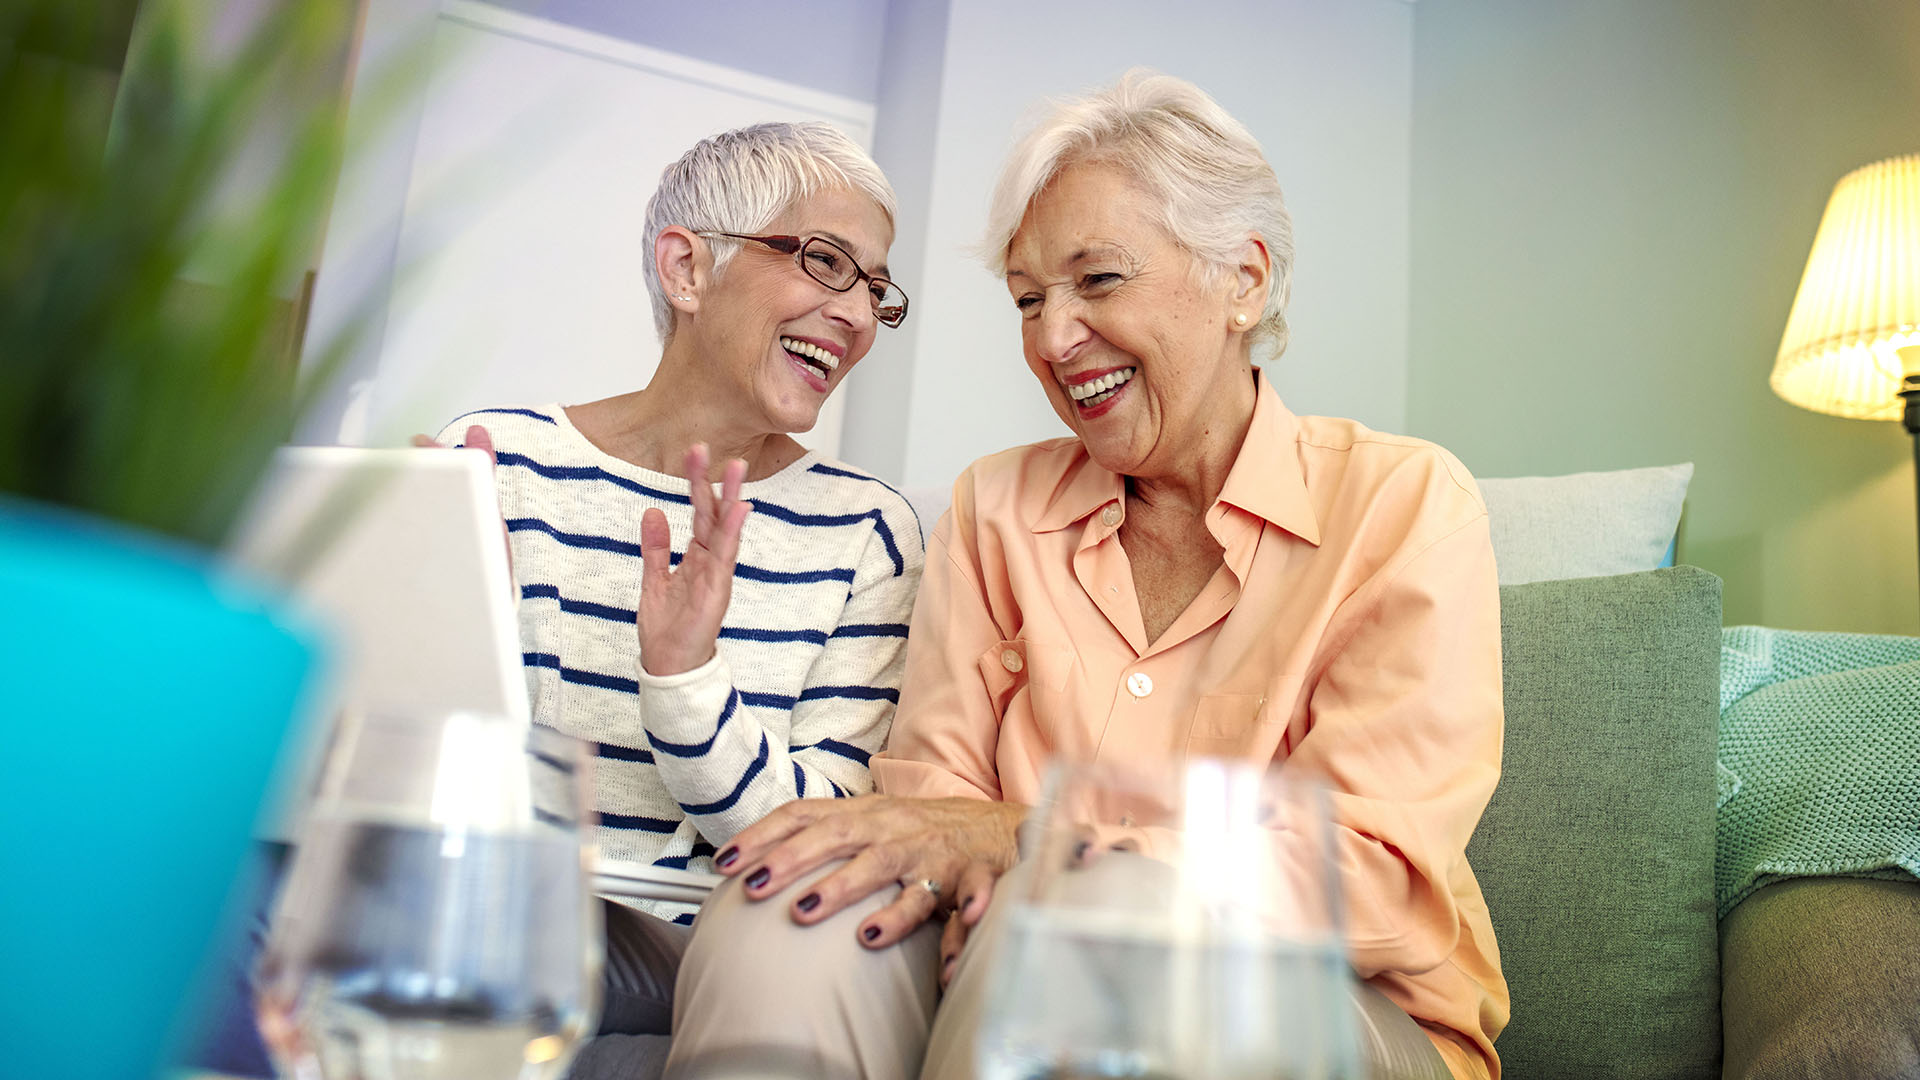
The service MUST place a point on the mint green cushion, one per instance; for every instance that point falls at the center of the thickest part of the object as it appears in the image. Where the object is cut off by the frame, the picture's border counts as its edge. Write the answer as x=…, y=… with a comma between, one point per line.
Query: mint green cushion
x=1596, y=852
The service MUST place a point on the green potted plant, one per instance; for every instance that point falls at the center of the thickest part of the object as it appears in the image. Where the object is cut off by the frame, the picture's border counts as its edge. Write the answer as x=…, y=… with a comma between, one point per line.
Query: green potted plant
x=149, y=325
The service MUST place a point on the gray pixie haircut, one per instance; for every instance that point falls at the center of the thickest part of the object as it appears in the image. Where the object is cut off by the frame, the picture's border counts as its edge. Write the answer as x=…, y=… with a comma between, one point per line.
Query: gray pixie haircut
x=740, y=180
x=1202, y=168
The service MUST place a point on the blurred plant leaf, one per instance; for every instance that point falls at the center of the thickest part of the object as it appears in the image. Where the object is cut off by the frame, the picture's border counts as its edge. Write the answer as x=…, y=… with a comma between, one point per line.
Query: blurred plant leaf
x=150, y=274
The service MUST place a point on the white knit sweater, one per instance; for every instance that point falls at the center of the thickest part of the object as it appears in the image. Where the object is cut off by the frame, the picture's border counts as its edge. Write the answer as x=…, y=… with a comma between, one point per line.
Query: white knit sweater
x=803, y=688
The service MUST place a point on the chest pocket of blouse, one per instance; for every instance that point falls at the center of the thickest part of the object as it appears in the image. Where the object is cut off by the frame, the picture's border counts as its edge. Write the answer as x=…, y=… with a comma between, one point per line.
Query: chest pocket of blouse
x=1015, y=665
x=1244, y=726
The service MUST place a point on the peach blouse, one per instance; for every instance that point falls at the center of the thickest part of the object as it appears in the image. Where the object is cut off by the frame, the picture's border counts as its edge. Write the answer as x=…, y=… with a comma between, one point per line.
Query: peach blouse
x=1354, y=632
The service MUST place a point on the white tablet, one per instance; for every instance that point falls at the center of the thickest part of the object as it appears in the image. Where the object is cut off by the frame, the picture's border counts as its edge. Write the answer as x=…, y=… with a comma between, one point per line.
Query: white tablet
x=400, y=554
x=642, y=881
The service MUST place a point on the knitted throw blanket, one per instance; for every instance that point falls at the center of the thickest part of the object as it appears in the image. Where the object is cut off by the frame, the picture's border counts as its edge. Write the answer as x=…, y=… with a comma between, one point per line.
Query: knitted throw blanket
x=1819, y=770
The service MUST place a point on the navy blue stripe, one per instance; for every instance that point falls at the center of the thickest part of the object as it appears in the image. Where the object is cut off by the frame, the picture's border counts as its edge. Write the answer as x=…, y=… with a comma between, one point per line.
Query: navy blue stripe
x=575, y=675
x=851, y=693
x=760, y=506
x=579, y=540
x=885, y=629
x=828, y=470
x=701, y=849
x=737, y=633
x=542, y=417
x=756, y=700
x=772, y=510
x=794, y=517
x=594, y=678
x=590, y=472
x=548, y=817
x=577, y=607
x=742, y=633
x=623, y=753
x=838, y=791
x=638, y=823
x=727, y=803
x=766, y=701
x=835, y=746
x=796, y=577
x=799, y=781
x=697, y=749
x=632, y=550
x=685, y=918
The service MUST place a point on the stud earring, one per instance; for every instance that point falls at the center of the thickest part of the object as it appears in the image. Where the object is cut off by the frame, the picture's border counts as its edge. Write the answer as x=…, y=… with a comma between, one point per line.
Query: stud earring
x=1240, y=319
x=679, y=297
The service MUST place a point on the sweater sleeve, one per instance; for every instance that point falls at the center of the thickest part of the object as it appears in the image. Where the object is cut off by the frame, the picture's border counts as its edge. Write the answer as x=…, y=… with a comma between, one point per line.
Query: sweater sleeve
x=726, y=770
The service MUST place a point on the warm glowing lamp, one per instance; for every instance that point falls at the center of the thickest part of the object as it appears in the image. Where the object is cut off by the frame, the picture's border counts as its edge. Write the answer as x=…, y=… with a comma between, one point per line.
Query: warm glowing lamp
x=1852, y=346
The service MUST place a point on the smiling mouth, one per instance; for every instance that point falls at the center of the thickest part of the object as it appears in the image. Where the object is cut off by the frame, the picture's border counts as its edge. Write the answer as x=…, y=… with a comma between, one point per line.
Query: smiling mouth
x=1096, y=392
x=819, y=359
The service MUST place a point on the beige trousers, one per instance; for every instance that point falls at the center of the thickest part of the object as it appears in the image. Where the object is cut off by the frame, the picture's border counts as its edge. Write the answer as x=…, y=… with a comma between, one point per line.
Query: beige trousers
x=758, y=996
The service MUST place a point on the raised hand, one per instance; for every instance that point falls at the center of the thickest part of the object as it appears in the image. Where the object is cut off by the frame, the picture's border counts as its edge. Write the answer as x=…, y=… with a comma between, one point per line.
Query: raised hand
x=681, y=609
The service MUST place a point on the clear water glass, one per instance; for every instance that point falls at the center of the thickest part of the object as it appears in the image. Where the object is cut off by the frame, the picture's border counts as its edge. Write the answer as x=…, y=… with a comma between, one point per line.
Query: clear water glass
x=1177, y=921
x=437, y=923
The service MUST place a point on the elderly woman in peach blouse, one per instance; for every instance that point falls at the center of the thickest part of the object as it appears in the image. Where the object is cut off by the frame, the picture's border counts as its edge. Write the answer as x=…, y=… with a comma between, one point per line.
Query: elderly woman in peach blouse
x=1196, y=571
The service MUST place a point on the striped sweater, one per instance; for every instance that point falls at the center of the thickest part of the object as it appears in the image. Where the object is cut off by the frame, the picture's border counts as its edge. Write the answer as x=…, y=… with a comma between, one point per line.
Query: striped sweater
x=807, y=670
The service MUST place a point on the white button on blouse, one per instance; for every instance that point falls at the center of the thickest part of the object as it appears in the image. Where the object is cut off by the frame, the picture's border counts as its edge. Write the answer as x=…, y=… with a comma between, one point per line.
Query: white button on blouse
x=1010, y=659
x=1139, y=684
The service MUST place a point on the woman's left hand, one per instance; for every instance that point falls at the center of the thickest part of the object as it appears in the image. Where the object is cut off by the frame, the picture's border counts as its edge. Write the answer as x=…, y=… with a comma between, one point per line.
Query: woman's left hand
x=958, y=846
x=681, y=609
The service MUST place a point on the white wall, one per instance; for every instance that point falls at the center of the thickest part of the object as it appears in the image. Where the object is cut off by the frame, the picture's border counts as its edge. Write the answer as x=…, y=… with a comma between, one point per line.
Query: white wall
x=830, y=45
x=1326, y=87
x=1324, y=84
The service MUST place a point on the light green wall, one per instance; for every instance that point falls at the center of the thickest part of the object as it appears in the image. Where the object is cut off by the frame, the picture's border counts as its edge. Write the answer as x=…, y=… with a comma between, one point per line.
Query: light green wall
x=1612, y=202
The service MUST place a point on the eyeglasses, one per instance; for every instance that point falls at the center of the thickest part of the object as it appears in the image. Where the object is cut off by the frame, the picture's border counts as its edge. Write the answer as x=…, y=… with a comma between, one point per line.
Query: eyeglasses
x=829, y=264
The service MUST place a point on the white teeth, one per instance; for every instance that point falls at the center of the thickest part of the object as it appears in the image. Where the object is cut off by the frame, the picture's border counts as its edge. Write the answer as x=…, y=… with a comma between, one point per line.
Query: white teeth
x=811, y=351
x=1095, y=387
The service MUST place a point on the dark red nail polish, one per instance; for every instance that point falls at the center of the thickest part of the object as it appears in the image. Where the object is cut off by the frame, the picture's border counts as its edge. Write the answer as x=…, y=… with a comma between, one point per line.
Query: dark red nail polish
x=870, y=933
x=758, y=878
x=809, y=901
x=727, y=858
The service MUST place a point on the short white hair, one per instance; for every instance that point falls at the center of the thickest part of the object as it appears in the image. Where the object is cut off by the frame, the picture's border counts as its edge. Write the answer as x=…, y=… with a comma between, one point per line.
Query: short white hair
x=1211, y=185
x=740, y=180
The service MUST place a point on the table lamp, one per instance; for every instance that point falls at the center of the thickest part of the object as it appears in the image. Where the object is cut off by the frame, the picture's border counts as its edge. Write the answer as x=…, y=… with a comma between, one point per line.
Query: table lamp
x=1852, y=345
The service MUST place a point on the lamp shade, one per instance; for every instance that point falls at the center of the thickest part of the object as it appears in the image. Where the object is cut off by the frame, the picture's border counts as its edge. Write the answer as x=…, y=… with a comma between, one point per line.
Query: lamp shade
x=1859, y=302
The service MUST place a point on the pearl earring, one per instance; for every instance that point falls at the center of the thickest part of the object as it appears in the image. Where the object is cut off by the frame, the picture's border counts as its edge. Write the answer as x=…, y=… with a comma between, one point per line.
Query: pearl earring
x=679, y=297
x=1240, y=319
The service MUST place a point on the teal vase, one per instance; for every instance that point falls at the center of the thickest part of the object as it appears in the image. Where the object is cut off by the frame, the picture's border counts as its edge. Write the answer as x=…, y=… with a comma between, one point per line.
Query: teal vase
x=147, y=695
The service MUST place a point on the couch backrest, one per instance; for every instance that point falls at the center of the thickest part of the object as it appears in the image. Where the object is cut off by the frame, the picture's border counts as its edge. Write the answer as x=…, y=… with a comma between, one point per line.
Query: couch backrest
x=1596, y=853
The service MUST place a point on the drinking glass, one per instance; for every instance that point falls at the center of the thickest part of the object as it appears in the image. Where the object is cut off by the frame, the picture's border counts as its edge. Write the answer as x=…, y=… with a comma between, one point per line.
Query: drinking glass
x=1174, y=920
x=436, y=923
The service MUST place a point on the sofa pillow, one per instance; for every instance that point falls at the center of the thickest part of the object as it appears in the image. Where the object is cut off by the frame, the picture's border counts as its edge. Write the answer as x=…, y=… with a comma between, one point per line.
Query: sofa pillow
x=1596, y=852
x=1586, y=524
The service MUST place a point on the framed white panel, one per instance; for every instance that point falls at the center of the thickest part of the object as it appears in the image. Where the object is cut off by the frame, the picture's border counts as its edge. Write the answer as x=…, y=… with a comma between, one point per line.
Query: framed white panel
x=519, y=264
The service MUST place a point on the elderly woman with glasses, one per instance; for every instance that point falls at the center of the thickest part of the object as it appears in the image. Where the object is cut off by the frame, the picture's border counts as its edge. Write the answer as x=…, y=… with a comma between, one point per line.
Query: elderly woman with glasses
x=1196, y=572
x=726, y=652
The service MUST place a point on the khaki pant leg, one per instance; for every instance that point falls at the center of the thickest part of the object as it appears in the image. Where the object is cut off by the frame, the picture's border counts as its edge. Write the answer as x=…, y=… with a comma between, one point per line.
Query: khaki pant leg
x=1392, y=1045
x=760, y=996
x=950, y=1049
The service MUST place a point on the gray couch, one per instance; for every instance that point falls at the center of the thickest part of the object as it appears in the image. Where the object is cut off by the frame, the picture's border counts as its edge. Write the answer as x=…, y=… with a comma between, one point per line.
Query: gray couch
x=1596, y=857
